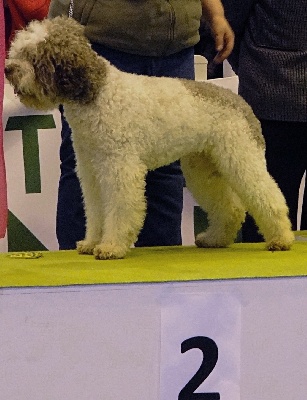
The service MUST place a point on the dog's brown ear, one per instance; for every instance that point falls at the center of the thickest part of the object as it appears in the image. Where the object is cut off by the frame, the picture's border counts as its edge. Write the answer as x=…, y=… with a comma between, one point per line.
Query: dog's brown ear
x=64, y=79
x=73, y=83
x=65, y=63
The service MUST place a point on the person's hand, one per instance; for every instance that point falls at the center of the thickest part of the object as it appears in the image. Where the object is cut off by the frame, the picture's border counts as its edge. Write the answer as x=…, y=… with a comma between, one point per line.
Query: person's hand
x=223, y=36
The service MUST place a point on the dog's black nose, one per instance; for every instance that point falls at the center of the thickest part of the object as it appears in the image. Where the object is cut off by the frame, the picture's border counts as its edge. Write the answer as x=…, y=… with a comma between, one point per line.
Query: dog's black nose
x=8, y=69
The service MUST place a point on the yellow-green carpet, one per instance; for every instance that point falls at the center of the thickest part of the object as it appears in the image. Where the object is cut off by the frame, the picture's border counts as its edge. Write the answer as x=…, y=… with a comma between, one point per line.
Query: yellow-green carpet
x=157, y=264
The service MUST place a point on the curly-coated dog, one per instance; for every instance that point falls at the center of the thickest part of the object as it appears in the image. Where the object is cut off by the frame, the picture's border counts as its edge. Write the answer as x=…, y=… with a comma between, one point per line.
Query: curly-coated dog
x=124, y=125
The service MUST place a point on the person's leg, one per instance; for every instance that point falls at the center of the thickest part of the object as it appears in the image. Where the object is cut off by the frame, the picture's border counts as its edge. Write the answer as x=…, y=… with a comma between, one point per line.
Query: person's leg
x=286, y=159
x=250, y=232
x=303, y=225
x=164, y=186
x=164, y=194
x=285, y=147
x=70, y=219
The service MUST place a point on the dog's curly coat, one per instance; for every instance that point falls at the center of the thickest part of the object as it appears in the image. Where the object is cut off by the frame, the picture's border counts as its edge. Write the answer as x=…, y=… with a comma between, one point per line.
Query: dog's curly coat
x=124, y=125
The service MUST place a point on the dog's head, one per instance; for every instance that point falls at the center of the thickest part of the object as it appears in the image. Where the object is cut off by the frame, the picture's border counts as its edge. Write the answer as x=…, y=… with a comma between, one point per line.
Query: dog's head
x=51, y=62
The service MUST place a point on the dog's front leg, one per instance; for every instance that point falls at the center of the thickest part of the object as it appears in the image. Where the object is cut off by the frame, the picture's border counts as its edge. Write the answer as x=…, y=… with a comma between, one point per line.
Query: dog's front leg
x=93, y=206
x=124, y=207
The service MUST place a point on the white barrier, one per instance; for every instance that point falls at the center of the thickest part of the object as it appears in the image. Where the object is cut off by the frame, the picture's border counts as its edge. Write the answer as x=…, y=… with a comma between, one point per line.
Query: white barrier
x=31, y=147
x=126, y=341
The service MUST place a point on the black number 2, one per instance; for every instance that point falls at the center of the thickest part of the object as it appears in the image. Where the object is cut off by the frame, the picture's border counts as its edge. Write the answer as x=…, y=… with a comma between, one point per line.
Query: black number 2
x=210, y=357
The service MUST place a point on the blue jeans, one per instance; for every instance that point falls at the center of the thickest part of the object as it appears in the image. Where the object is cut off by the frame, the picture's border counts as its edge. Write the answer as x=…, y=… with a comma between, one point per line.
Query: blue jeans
x=164, y=186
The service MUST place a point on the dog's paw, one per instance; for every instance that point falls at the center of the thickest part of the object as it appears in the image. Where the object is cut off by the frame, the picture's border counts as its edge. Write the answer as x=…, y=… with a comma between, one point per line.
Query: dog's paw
x=86, y=247
x=108, y=251
x=281, y=243
x=278, y=246
x=205, y=240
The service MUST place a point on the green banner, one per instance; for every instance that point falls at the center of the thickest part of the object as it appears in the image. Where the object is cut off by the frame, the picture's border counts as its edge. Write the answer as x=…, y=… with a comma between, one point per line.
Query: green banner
x=29, y=126
x=20, y=238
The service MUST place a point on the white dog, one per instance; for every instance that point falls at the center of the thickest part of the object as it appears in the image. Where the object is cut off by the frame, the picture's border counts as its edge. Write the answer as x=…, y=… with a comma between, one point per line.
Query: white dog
x=124, y=125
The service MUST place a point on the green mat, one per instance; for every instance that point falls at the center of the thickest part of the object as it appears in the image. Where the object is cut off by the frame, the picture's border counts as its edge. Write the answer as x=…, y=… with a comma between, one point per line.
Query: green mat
x=156, y=264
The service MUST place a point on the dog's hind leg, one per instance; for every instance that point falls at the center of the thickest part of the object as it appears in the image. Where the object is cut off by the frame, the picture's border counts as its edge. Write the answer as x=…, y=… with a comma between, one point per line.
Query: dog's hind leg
x=244, y=167
x=215, y=196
